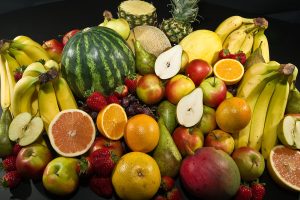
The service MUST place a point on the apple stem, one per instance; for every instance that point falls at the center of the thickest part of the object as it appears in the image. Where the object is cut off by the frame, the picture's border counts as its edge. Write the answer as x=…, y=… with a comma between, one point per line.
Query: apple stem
x=214, y=84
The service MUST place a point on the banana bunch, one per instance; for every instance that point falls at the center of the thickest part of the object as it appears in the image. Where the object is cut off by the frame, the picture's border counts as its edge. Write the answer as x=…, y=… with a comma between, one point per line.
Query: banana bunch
x=265, y=87
x=244, y=34
x=42, y=91
x=21, y=51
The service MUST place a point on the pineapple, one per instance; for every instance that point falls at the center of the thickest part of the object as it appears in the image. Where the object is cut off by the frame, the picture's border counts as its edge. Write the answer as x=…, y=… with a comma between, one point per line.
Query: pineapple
x=184, y=13
x=137, y=13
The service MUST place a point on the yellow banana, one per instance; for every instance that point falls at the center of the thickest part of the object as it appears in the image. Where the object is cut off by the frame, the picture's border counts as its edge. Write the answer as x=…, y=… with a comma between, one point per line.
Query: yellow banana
x=35, y=104
x=21, y=39
x=52, y=64
x=32, y=51
x=235, y=39
x=23, y=91
x=35, y=69
x=21, y=57
x=247, y=44
x=259, y=115
x=251, y=99
x=64, y=94
x=5, y=89
x=230, y=24
x=261, y=39
x=48, y=106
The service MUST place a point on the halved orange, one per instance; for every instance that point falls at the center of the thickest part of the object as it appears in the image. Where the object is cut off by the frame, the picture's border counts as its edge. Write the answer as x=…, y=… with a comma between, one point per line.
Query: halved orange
x=283, y=166
x=229, y=70
x=111, y=121
x=72, y=132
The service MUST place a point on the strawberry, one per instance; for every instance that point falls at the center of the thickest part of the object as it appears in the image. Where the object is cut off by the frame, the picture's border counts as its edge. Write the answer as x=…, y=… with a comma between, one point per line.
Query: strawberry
x=103, y=161
x=11, y=179
x=16, y=149
x=241, y=57
x=167, y=183
x=19, y=73
x=96, y=101
x=224, y=53
x=112, y=99
x=174, y=194
x=131, y=82
x=101, y=186
x=9, y=163
x=85, y=167
x=244, y=193
x=258, y=191
x=121, y=91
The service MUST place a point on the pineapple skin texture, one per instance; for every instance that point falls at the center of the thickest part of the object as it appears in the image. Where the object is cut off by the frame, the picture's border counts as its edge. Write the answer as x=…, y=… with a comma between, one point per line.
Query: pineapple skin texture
x=175, y=30
x=138, y=20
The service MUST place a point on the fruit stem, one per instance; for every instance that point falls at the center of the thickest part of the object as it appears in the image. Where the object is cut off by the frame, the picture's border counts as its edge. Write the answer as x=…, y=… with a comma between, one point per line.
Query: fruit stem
x=214, y=83
x=287, y=69
x=4, y=45
x=107, y=15
x=261, y=22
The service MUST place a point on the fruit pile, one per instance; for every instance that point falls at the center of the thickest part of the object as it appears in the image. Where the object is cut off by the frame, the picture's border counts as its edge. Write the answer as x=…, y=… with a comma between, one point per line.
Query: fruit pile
x=128, y=108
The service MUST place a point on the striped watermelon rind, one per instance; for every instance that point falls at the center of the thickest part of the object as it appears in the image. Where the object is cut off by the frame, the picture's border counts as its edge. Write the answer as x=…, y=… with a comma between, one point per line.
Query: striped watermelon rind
x=97, y=58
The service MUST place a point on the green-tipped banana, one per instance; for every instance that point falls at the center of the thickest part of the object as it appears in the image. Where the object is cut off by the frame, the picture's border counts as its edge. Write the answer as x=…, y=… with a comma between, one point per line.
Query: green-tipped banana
x=275, y=114
x=259, y=115
x=21, y=57
x=48, y=106
x=64, y=95
x=5, y=89
x=23, y=91
x=230, y=24
x=35, y=69
x=261, y=39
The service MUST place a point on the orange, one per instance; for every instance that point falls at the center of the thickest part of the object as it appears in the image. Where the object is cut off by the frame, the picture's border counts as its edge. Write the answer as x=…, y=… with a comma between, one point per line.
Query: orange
x=111, y=121
x=141, y=133
x=283, y=166
x=71, y=132
x=136, y=176
x=233, y=114
x=229, y=70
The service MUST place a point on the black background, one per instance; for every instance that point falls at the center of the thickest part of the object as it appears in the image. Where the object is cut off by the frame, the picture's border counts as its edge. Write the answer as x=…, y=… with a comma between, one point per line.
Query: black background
x=42, y=21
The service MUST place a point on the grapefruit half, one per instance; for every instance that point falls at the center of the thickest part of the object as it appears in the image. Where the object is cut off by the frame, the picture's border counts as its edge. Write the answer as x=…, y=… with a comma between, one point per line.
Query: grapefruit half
x=284, y=167
x=71, y=132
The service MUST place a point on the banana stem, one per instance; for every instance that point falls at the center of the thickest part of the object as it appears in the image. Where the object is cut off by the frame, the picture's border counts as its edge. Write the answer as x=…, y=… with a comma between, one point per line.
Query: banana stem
x=287, y=69
x=4, y=45
x=261, y=22
x=107, y=15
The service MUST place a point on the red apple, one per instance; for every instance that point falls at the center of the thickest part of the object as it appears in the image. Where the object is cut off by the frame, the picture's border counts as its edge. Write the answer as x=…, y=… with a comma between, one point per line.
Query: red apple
x=32, y=160
x=210, y=174
x=54, y=49
x=250, y=162
x=187, y=140
x=150, y=89
x=68, y=35
x=208, y=120
x=214, y=91
x=177, y=87
x=220, y=140
x=114, y=145
x=198, y=70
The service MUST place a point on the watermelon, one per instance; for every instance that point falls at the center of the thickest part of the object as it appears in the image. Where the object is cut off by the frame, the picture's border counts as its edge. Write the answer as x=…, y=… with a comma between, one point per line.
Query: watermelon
x=96, y=58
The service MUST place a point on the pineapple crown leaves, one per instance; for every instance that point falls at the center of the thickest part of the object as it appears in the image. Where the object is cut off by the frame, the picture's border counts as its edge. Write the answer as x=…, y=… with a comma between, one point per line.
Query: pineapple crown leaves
x=185, y=10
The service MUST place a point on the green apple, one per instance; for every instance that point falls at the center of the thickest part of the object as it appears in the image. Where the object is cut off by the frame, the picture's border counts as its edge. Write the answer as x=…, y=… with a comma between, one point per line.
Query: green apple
x=208, y=120
x=178, y=87
x=250, y=162
x=289, y=131
x=60, y=176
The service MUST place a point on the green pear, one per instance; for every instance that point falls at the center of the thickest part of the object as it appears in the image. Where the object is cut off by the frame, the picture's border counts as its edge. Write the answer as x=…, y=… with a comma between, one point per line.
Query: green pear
x=255, y=57
x=144, y=61
x=293, y=104
x=166, y=153
x=167, y=111
x=5, y=143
